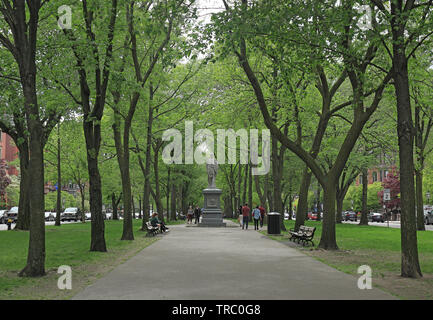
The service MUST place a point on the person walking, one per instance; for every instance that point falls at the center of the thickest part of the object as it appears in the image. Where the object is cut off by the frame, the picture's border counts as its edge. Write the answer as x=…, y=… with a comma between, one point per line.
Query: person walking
x=197, y=213
x=189, y=215
x=262, y=215
x=256, y=217
x=240, y=216
x=245, y=216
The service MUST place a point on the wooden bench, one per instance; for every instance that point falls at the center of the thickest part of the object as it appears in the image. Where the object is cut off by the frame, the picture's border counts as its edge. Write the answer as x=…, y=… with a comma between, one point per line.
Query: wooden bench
x=304, y=235
x=151, y=230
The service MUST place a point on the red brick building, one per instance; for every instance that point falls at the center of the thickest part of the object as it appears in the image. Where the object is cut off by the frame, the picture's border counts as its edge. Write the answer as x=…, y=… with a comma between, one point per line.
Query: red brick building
x=8, y=152
x=377, y=173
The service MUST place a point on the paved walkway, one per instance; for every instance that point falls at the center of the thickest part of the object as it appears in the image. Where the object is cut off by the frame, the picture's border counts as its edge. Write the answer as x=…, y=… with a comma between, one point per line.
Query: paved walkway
x=192, y=263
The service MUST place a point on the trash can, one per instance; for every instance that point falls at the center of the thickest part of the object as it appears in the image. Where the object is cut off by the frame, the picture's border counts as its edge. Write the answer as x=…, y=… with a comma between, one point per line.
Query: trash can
x=274, y=221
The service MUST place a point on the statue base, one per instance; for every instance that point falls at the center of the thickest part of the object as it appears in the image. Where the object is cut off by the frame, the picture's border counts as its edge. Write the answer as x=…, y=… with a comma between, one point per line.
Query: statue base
x=212, y=214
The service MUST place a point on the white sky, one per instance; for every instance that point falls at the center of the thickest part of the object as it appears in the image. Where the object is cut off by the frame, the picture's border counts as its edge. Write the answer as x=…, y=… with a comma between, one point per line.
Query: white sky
x=207, y=7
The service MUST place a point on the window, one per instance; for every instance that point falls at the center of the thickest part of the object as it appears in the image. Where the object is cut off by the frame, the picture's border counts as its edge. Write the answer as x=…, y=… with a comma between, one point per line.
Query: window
x=374, y=176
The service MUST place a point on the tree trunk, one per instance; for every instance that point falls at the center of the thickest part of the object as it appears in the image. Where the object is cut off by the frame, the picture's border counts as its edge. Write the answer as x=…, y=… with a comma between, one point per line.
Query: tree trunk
x=159, y=206
x=250, y=190
x=59, y=178
x=173, y=202
x=133, y=207
x=419, y=202
x=97, y=221
x=167, y=192
x=318, y=202
x=364, y=212
x=328, y=240
x=23, y=222
x=338, y=218
x=244, y=193
x=409, y=261
x=302, y=210
x=36, y=254
x=146, y=194
x=83, y=199
x=114, y=204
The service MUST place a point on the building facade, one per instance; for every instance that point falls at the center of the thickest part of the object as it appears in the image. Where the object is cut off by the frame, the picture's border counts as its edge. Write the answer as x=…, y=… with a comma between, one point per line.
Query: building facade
x=8, y=152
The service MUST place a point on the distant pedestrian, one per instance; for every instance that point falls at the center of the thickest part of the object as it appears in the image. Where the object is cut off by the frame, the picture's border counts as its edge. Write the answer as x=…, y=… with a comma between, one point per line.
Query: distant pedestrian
x=262, y=216
x=197, y=213
x=256, y=217
x=240, y=216
x=245, y=216
x=189, y=215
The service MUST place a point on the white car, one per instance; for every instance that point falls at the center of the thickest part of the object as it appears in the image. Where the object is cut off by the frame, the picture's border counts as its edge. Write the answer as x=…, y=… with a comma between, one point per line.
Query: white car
x=2, y=214
x=88, y=216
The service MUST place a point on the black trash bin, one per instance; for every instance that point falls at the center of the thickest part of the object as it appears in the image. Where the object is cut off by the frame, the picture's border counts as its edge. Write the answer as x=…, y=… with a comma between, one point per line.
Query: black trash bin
x=274, y=221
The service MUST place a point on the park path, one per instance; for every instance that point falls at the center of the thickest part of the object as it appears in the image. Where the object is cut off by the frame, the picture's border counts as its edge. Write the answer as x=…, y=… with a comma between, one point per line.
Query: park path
x=192, y=263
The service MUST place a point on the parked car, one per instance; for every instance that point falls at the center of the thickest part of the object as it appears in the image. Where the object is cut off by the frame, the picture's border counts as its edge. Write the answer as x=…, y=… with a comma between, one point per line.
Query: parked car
x=376, y=217
x=88, y=216
x=312, y=216
x=2, y=216
x=71, y=214
x=350, y=216
x=109, y=216
x=12, y=214
x=50, y=216
x=428, y=218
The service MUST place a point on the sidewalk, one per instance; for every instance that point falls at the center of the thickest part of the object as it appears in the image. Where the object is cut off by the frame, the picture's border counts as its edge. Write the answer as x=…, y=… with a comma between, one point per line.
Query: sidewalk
x=192, y=263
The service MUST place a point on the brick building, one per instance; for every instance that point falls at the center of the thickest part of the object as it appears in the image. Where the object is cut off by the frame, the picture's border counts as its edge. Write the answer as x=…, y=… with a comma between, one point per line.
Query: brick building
x=8, y=152
x=378, y=172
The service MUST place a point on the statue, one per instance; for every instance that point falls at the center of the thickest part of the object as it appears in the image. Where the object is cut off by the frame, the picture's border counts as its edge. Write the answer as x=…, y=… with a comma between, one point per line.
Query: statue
x=212, y=171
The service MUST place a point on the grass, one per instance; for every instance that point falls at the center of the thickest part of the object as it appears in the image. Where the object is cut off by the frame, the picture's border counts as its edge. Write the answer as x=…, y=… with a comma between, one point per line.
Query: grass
x=379, y=248
x=65, y=245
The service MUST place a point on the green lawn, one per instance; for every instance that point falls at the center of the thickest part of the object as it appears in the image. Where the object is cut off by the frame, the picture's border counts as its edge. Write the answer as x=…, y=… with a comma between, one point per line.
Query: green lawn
x=377, y=247
x=65, y=245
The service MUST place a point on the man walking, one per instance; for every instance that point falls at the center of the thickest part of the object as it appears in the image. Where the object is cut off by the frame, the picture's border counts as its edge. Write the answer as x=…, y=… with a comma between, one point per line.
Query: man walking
x=256, y=217
x=197, y=213
x=262, y=215
x=245, y=216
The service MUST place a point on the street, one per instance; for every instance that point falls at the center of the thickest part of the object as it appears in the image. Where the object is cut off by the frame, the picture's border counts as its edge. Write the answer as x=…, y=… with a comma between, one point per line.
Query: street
x=4, y=227
x=392, y=224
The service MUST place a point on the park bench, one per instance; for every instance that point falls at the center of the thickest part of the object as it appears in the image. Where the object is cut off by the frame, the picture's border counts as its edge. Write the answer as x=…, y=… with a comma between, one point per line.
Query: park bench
x=304, y=234
x=151, y=230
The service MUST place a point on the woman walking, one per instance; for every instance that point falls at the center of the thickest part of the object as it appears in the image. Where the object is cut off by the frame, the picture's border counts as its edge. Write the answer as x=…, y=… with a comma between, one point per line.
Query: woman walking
x=240, y=216
x=190, y=214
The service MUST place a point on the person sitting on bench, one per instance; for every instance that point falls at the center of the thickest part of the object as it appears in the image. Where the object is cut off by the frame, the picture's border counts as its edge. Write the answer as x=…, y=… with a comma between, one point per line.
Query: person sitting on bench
x=156, y=223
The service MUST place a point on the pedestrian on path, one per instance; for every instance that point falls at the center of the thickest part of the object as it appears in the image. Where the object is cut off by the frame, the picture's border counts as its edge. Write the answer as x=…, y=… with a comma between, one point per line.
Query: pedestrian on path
x=245, y=216
x=189, y=215
x=240, y=216
x=262, y=215
x=197, y=213
x=256, y=217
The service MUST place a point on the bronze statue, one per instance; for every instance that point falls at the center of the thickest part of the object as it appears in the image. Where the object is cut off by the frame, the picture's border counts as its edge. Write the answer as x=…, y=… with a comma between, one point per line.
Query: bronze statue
x=212, y=171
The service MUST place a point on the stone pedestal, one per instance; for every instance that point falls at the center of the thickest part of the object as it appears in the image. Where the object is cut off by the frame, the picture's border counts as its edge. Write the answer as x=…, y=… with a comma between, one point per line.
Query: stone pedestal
x=212, y=214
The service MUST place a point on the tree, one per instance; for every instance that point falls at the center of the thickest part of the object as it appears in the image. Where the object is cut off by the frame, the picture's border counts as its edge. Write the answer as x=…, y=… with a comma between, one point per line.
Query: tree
x=98, y=61
x=356, y=70
x=22, y=20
